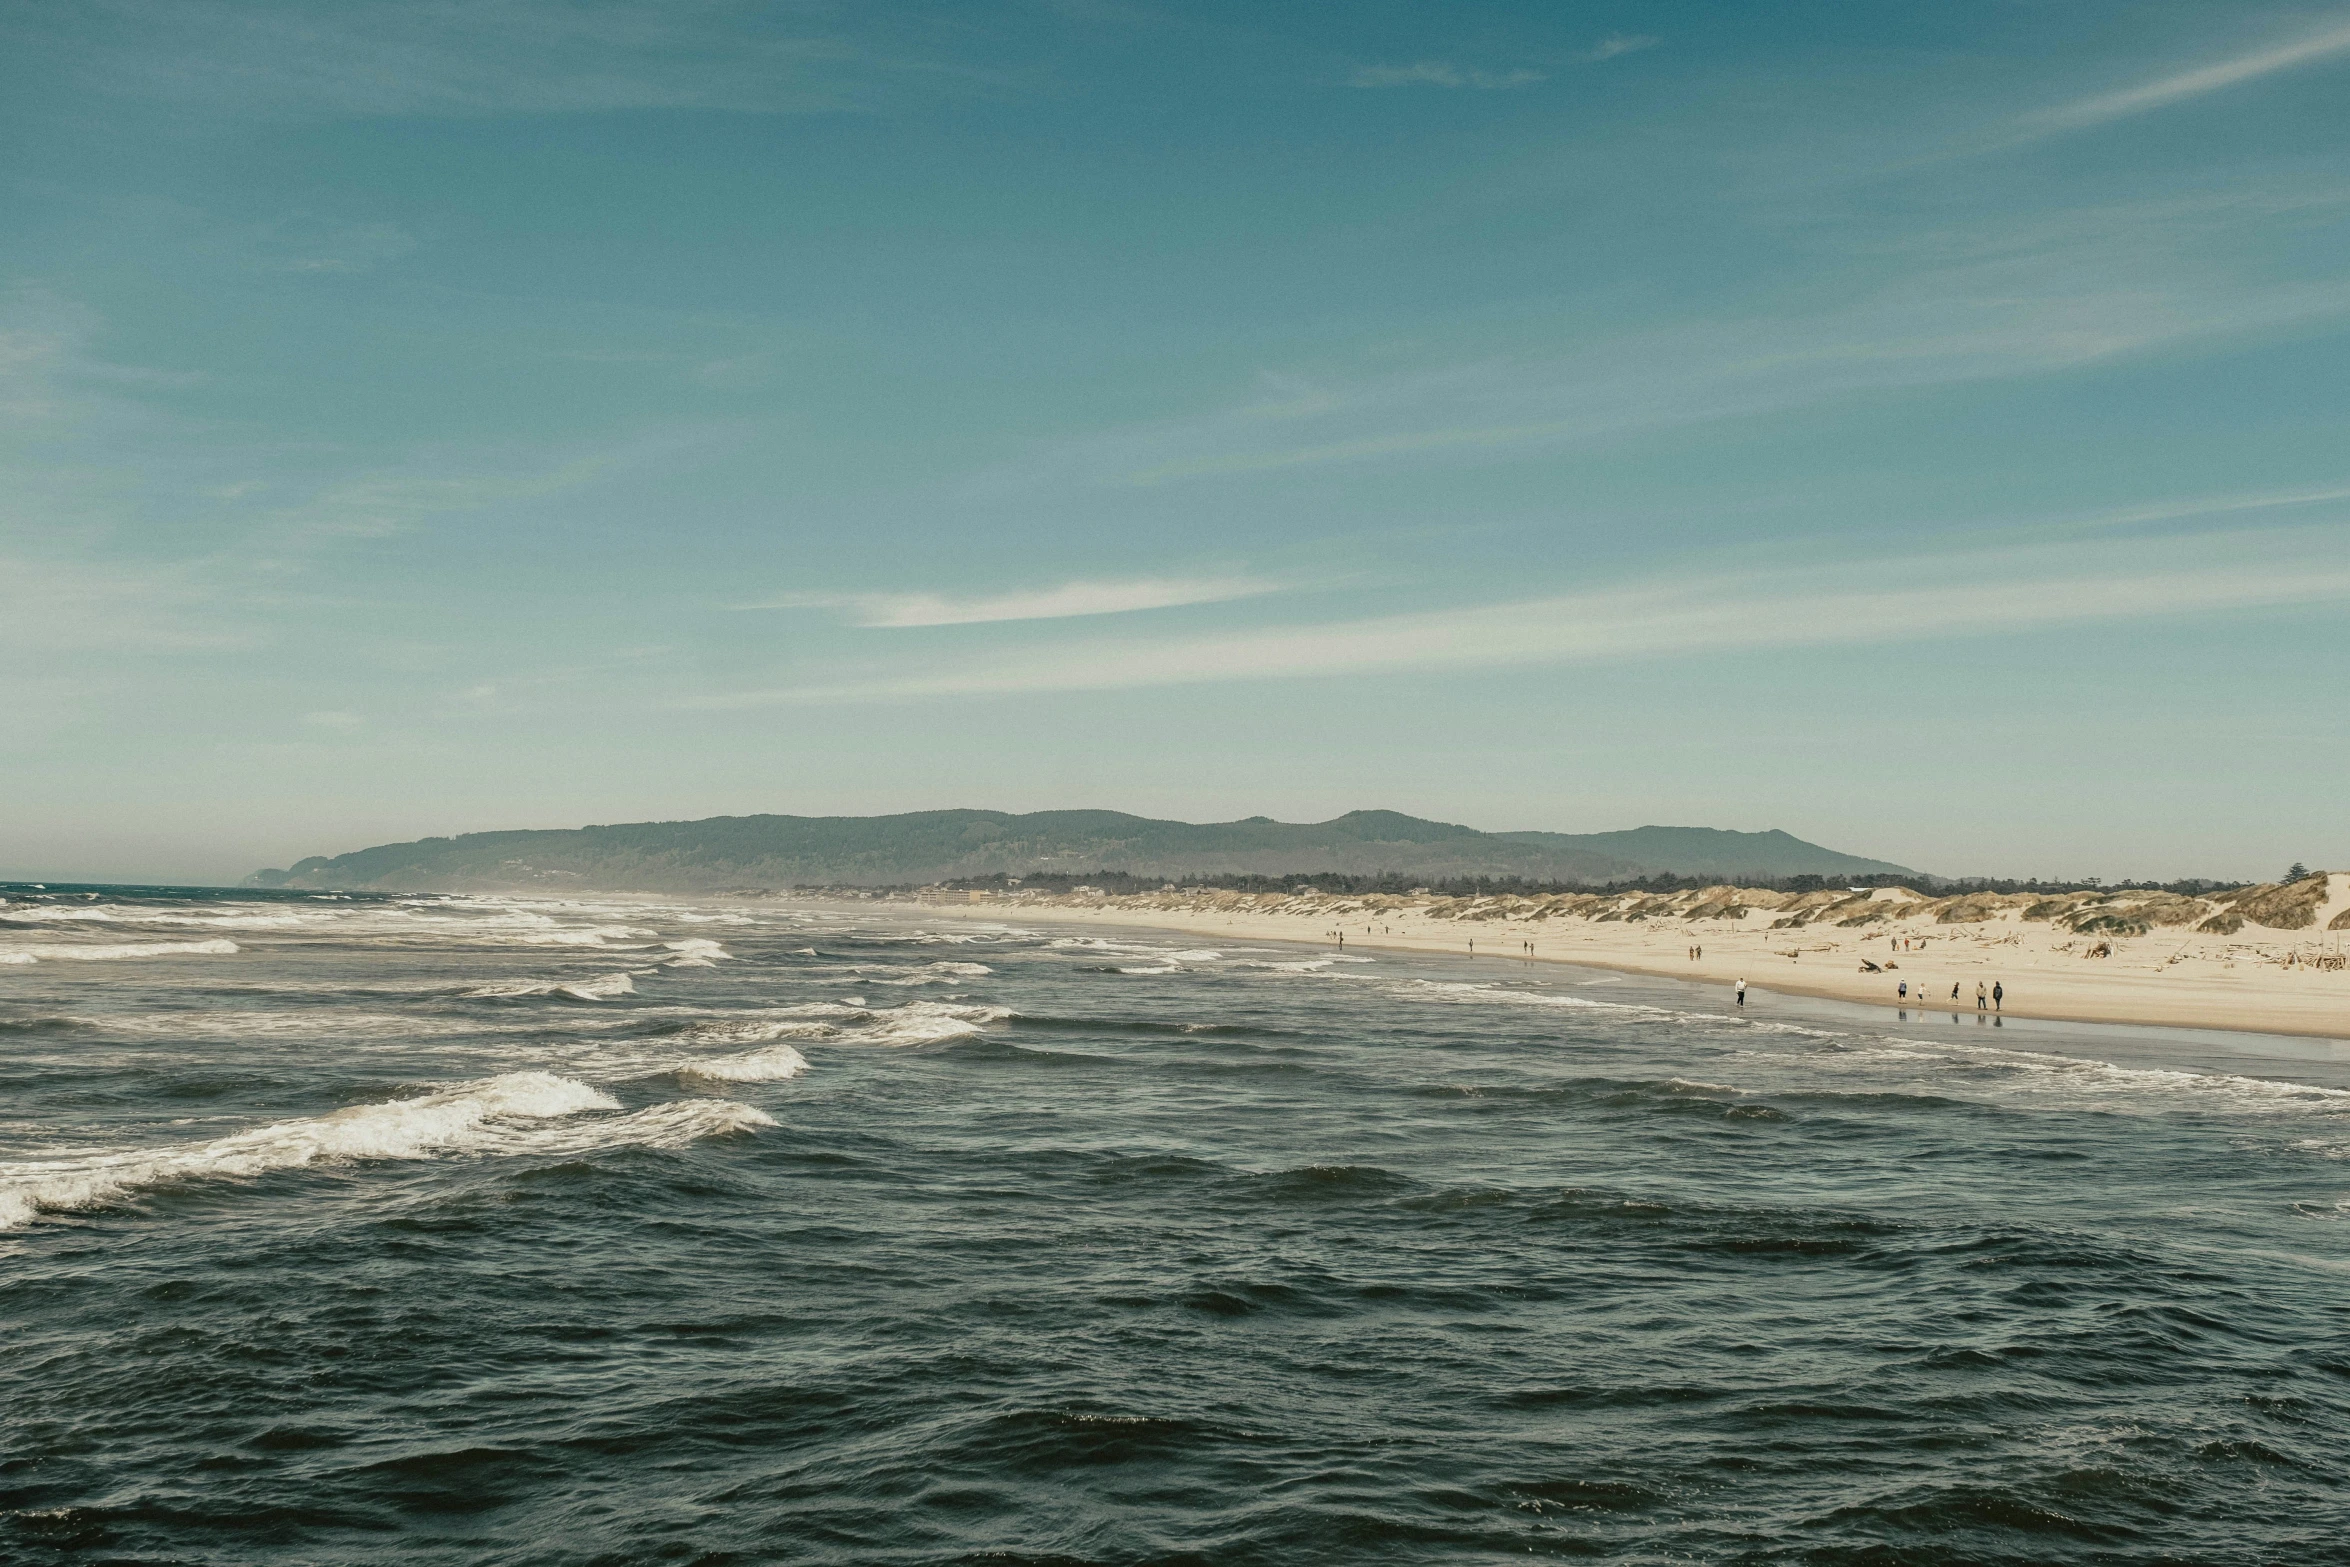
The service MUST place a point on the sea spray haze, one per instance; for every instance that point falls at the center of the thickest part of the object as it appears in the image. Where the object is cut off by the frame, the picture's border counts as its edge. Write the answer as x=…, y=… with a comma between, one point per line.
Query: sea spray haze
x=414, y=1230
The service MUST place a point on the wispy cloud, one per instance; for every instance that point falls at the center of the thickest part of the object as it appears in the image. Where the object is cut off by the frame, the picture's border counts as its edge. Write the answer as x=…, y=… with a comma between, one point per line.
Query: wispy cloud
x=468, y=57
x=371, y=505
x=2325, y=43
x=76, y=611
x=357, y=248
x=1979, y=595
x=1995, y=300
x=2213, y=506
x=51, y=378
x=1070, y=599
x=1620, y=43
x=1442, y=73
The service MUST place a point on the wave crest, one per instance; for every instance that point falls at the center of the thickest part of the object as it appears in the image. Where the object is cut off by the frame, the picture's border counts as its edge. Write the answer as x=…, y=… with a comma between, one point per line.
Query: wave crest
x=114, y=950
x=401, y=1129
x=604, y=987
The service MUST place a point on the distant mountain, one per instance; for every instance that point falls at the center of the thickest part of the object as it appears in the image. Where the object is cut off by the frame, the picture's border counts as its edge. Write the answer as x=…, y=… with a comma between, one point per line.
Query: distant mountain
x=739, y=852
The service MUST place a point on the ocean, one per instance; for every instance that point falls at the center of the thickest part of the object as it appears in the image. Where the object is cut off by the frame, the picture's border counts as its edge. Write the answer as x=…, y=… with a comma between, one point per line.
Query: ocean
x=355, y=1229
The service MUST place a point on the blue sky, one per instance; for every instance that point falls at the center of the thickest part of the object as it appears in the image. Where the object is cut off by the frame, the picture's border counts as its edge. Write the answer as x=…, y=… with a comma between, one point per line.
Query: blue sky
x=1921, y=428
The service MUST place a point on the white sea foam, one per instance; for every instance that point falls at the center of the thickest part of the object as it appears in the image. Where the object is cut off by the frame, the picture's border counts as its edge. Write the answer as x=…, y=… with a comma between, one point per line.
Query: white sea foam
x=221, y=919
x=239, y=921
x=695, y=952
x=1302, y=965
x=99, y=952
x=770, y=1065
x=676, y=1124
x=818, y=1022
x=1691, y=1085
x=1100, y=944
x=2083, y=1083
x=433, y=917
x=1463, y=992
x=756, y=1030
x=712, y=1043
x=304, y=1022
x=604, y=987
x=927, y=974
x=920, y=1023
x=456, y=1119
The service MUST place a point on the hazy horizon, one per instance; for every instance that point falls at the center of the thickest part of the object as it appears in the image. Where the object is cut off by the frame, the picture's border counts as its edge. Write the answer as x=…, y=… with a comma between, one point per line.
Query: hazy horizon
x=1925, y=873
x=1917, y=430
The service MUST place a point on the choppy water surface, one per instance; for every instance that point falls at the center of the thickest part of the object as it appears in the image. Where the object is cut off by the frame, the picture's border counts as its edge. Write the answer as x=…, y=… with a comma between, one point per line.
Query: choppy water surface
x=443, y=1230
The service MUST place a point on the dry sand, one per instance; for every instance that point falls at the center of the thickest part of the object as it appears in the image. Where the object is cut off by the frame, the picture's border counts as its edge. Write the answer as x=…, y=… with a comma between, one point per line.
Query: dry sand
x=2121, y=957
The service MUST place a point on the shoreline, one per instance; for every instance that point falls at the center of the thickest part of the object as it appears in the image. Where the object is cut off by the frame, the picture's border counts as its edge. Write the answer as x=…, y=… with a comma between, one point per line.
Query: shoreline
x=2170, y=991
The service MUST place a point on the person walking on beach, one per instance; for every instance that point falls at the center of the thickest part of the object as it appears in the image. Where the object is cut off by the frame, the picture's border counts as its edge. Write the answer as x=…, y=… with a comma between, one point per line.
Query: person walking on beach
x=1742, y=994
x=1982, y=997
x=1902, y=990
x=1998, y=996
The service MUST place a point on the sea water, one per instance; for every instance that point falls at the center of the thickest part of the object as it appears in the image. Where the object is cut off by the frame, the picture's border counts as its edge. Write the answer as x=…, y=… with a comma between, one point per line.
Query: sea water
x=424, y=1230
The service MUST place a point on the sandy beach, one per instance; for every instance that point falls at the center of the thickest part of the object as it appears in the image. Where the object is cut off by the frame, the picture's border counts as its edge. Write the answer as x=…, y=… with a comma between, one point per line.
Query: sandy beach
x=2267, y=959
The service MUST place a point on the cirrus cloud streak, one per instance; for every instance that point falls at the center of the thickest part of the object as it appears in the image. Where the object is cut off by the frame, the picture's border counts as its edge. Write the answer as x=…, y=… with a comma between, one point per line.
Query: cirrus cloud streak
x=2178, y=88
x=1069, y=600
x=2010, y=592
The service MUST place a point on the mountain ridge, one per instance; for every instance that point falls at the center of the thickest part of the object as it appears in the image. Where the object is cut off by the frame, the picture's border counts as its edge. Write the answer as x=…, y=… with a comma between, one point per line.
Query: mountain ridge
x=729, y=853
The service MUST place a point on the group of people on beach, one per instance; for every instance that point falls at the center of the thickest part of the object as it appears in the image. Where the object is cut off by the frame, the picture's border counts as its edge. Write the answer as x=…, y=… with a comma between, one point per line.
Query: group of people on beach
x=1991, y=998
x=1988, y=998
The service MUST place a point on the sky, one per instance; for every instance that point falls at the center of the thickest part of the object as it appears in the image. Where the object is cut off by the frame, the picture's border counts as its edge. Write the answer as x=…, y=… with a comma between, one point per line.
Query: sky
x=1919, y=428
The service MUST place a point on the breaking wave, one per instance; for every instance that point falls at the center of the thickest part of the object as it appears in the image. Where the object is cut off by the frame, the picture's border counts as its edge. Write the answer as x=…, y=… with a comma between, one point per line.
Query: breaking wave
x=108, y=951
x=771, y=1065
x=2085, y=1083
x=918, y=1023
x=402, y=1129
x=604, y=987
